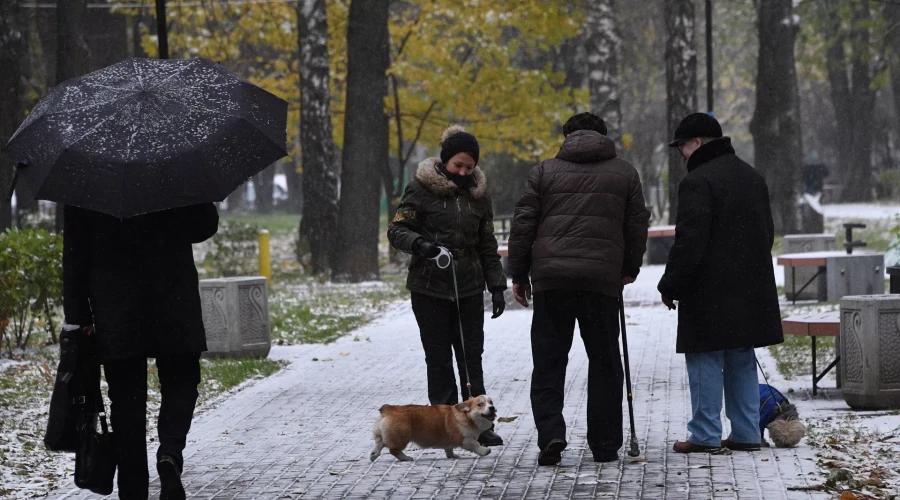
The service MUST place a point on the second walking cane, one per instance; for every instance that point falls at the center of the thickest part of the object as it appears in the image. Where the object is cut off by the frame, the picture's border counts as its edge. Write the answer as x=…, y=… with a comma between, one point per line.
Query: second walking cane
x=633, y=451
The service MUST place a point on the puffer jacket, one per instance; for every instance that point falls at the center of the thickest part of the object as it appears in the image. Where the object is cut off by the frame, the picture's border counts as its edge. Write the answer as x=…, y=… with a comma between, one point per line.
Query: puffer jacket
x=433, y=208
x=581, y=223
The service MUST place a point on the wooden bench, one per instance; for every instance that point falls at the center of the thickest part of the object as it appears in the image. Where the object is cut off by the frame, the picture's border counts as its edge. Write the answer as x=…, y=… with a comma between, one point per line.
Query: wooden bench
x=812, y=326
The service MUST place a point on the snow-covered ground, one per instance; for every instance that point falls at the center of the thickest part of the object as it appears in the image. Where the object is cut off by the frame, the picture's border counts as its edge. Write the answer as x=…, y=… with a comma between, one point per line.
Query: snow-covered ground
x=861, y=211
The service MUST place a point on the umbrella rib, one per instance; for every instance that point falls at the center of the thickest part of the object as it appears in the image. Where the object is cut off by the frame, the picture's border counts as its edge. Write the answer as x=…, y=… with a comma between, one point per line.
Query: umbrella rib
x=70, y=110
x=169, y=121
x=137, y=73
x=173, y=75
x=92, y=129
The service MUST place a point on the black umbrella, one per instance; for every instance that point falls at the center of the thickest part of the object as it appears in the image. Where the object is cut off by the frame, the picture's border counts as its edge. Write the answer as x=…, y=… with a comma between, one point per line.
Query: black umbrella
x=147, y=134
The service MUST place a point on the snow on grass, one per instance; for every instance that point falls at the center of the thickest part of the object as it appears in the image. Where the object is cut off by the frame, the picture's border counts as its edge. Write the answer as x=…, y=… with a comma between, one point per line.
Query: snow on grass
x=302, y=311
x=322, y=312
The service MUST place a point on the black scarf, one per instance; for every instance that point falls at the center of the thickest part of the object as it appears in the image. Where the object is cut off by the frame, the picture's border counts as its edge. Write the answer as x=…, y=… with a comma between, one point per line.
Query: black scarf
x=463, y=182
x=709, y=152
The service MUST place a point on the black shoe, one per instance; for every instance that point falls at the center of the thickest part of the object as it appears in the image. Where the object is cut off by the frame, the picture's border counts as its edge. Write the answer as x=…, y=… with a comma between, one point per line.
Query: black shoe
x=605, y=456
x=552, y=453
x=169, y=480
x=490, y=438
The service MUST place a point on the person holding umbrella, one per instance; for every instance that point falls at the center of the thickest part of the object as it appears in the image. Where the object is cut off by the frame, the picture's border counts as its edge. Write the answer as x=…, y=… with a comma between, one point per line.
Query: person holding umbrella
x=446, y=210
x=580, y=230
x=720, y=272
x=133, y=286
x=137, y=152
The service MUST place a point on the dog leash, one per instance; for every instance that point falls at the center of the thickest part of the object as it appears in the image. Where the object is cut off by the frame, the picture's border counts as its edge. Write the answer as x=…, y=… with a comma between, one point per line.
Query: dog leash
x=462, y=339
x=771, y=389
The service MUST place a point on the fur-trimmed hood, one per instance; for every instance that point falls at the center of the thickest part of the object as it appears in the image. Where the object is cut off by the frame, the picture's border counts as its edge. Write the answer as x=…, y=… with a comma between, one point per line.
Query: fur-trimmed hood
x=430, y=176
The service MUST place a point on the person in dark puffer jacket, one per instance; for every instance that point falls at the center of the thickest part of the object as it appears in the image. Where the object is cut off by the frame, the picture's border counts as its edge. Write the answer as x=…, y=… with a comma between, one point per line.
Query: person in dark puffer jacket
x=447, y=205
x=580, y=229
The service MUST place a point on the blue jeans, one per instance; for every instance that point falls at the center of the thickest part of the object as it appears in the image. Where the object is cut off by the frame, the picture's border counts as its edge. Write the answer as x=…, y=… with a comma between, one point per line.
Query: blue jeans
x=734, y=372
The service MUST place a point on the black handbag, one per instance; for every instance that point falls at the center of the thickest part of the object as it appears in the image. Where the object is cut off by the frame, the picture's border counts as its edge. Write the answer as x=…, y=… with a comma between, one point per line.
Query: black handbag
x=95, y=452
x=68, y=392
x=76, y=410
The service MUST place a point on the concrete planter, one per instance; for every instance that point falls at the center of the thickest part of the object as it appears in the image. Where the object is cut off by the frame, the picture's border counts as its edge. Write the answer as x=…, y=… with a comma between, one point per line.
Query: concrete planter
x=857, y=274
x=870, y=351
x=236, y=317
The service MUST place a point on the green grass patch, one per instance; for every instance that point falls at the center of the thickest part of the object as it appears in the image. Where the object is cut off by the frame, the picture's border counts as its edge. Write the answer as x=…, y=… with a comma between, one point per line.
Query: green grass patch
x=295, y=323
x=24, y=384
x=219, y=375
x=277, y=224
x=793, y=358
x=314, y=312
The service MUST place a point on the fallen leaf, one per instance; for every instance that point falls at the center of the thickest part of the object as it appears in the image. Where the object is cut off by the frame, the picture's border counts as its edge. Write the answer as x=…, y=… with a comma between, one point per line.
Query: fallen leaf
x=239, y=443
x=315, y=359
x=848, y=495
x=878, y=483
x=765, y=460
x=345, y=354
x=638, y=460
x=504, y=420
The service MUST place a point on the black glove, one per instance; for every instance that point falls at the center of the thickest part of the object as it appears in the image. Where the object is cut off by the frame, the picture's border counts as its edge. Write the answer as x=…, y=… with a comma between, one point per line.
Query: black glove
x=499, y=303
x=427, y=249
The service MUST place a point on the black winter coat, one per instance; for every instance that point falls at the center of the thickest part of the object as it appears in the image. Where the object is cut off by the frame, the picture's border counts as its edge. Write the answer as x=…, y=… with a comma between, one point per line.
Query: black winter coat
x=720, y=267
x=135, y=279
x=581, y=223
x=433, y=208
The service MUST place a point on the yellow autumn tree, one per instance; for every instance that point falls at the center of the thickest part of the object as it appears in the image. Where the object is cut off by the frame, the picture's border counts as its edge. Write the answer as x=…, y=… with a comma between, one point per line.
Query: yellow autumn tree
x=478, y=62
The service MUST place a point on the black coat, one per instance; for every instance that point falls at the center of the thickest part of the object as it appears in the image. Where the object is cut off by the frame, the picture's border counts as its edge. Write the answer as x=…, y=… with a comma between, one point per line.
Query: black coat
x=135, y=279
x=720, y=267
x=433, y=208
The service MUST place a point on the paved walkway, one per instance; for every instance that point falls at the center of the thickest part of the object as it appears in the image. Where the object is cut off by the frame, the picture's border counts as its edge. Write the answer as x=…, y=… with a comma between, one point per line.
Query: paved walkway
x=306, y=432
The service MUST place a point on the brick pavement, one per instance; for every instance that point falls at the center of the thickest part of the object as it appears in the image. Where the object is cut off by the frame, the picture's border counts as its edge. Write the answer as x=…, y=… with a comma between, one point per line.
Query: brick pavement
x=306, y=431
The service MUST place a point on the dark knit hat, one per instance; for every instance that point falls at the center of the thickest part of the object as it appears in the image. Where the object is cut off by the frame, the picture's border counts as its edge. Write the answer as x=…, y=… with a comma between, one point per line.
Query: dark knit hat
x=584, y=121
x=696, y=125
x=456, y=140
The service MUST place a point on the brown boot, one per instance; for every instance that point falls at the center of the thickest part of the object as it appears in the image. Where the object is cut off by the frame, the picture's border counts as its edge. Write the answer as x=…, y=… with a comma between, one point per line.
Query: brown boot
x=689, y=447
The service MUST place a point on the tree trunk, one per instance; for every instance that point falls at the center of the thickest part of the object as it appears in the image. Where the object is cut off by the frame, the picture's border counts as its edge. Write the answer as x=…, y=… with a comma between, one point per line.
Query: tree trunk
x=320, y=178
x=681, y=84
x=603, y=59
x=72, y=54
x=294, y=180
x=365, y=142
x=13, y=50
x=264, y=186
x=852, y=96
x=892, y=15
x=777, y=138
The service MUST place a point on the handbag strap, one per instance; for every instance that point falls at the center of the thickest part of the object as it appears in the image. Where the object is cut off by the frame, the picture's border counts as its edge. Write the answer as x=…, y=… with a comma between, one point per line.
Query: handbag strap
x=100, y=406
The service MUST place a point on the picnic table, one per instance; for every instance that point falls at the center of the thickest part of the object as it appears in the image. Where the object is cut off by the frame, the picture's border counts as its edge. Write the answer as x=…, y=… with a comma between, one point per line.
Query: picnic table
x=815, y=325
x=860, y=273
x=659, y=241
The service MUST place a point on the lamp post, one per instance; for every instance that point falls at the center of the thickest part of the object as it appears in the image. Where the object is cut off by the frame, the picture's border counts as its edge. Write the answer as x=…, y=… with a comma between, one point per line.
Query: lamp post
x=709, y=59
x=161, y=29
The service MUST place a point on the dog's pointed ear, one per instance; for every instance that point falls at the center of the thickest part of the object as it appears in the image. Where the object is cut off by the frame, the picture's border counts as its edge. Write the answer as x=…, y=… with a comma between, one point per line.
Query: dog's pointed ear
x=464, y=407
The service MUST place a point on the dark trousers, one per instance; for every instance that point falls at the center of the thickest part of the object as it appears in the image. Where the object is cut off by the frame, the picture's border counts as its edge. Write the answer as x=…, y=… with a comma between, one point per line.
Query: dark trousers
x=552, y=330
x=439, y=330
x=127, y=378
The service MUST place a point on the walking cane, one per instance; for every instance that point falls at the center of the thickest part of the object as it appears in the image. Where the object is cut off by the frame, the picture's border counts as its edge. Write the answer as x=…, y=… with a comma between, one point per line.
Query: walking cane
x=443, y=260
x=634, y=451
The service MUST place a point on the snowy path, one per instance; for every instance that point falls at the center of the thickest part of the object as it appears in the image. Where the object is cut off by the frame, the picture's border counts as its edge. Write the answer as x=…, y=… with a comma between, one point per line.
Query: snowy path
x=306, y=431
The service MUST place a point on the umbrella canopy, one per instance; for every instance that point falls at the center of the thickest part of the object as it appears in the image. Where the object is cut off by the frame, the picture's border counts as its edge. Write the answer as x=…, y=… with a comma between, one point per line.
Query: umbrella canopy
x=145, y=135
